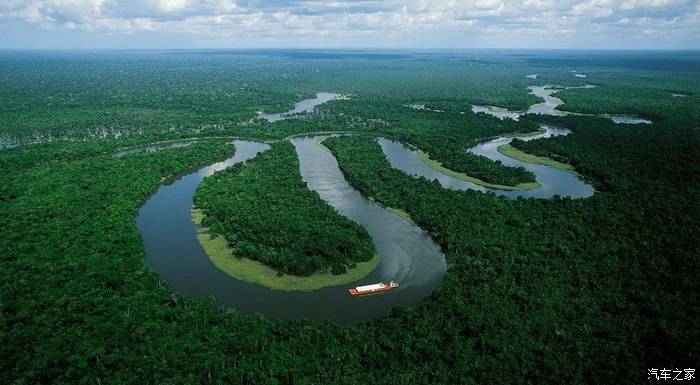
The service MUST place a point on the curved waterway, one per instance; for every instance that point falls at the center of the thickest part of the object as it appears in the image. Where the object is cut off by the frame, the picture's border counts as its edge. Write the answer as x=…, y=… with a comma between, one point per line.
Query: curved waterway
x=153, y=147
x=407, y=254
x=553, y=181
x=627, y=119
x=306, y=105
x=548, y=107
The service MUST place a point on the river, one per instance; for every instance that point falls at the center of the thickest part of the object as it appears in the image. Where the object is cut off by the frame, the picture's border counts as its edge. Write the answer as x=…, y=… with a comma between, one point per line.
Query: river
x=549, y=107
x=407, y=254
x=553, y=181
x=306, y=105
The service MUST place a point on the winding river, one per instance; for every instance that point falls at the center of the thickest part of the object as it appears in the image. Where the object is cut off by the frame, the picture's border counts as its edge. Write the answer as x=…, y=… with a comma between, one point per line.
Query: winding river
x=548, y=107
x=306, y=105
x=407, y=253
x=553, y=181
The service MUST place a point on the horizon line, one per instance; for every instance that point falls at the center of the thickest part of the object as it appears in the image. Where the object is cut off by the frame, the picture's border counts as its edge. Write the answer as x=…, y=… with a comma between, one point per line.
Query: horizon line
x=321, y=48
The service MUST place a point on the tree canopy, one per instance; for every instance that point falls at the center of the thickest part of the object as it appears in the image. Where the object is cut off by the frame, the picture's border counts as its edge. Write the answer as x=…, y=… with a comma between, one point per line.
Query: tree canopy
x=267, y=213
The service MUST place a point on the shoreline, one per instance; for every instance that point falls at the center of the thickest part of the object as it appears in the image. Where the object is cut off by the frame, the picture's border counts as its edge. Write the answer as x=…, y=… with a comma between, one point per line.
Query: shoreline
x=514, y=153
x=437, y=166
x=248, y=270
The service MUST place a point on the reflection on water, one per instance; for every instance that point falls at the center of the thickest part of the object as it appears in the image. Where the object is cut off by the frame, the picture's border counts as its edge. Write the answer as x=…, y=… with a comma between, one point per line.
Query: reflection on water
x=628, y=119
x=500, y=113
x=550, y=102
x=548, y=107
x=153, y=147
x=306, y=105
x=553, y=181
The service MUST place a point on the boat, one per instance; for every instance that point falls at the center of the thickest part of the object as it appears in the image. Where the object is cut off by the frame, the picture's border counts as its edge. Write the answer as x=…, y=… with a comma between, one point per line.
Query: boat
x=374, y=288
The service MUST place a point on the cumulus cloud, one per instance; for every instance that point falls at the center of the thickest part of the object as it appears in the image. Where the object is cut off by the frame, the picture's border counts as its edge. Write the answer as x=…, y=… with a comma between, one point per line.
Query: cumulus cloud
x=635, y=4
x=361, y=18
x=594, y=8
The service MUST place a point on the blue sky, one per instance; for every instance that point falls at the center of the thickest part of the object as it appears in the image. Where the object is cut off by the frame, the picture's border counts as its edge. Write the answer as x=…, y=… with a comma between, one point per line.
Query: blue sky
x=153, y=24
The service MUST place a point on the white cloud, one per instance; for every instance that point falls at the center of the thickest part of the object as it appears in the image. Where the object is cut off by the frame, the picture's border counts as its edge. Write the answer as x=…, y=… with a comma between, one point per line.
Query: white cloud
x=172, y=5
x=358, y=19
x=635, y=4
x=594, y=8
x=540, y=4
x=488, y=4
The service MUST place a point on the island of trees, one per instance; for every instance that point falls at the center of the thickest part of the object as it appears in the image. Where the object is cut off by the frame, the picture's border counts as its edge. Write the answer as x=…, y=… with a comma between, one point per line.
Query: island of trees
x=266, y=213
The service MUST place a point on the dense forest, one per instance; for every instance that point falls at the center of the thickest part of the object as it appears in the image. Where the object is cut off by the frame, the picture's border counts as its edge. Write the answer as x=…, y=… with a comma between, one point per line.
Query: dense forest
x=443, y=135
x=266, y=213
x=156, y=96
x=575, y=291
x=570, y=268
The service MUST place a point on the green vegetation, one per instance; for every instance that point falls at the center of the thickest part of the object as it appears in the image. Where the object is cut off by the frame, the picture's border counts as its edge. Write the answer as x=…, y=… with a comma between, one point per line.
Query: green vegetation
x=645, y=95
x=400, y=213
x=520, y=134
x=445, y=136
x=450, y=154
x=248, y=270
x=516, y=154
x=156, y=97
x=320, y=144
x=521, y=271
x=583, y=291
x=266, y=213
x=458, y=175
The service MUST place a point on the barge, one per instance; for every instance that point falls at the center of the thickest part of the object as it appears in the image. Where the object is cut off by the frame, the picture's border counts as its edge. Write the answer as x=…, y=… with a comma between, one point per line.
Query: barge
x=374, y=288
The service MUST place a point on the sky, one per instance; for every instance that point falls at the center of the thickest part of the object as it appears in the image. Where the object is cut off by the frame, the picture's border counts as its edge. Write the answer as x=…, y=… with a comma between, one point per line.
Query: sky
x=187, y=24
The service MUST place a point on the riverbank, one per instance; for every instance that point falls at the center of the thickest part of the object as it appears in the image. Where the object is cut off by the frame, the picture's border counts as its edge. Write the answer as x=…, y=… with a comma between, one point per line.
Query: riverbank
x=437, y=166
x=401, y=213
x=516, y=154
x=320, y=144
x=247, y=270
x=394, y=210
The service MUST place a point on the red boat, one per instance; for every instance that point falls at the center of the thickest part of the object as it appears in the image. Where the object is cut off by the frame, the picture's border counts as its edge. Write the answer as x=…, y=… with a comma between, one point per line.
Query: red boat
x=374, y=288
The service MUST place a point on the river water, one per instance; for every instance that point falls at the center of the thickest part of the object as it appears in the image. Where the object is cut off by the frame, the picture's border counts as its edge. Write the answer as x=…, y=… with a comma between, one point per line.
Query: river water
x=407, y=254
x=306, y=105
x=153, y=147
x=548, y=107
x=553, y=181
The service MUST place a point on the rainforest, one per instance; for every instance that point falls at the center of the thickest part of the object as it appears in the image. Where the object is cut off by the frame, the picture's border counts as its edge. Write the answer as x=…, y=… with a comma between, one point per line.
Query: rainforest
x=157, y=227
